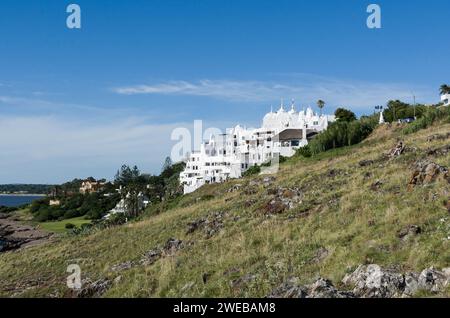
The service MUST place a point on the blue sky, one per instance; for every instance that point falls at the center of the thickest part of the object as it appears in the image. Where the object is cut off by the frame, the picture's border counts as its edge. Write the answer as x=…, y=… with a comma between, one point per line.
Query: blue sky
x=76, y=103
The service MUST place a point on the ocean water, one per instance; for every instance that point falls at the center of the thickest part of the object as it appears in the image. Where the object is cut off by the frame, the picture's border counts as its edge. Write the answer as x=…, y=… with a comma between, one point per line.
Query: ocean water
x=17, y=200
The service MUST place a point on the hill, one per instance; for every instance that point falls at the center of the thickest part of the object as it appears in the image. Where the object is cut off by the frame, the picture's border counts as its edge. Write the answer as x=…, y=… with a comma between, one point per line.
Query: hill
x=378, y=202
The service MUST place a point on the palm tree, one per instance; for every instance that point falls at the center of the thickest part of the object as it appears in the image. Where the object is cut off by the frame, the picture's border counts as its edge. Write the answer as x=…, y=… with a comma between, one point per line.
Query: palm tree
x=444, y=89
x=320, y=104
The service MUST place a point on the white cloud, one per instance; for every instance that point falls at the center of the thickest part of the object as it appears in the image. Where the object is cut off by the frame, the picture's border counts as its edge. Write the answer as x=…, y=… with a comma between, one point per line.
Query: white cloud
x=54, y=149
x=305, y=88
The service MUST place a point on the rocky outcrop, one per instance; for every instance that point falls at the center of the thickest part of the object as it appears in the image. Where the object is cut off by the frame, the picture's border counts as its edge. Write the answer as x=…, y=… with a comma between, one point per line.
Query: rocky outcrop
x=368, y=281
x=282, y=199
x=374, y=281
x=409, y=231
x=438, y=137
x=321, y=288
x=15, y=235
x=425, y=172
x=94, y=289
x=210, y=225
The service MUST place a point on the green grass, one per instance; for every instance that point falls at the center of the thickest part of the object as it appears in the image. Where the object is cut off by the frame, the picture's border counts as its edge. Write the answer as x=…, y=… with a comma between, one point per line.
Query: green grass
x=60, y=226
x=340, y=213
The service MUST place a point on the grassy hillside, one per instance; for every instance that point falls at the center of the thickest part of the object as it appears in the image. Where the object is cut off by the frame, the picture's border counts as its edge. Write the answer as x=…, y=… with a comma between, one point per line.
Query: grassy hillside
x=240, y=240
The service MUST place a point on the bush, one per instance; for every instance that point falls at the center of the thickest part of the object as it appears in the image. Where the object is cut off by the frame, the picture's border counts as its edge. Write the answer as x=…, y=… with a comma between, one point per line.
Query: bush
x=342, y=133
x=430, y=116
x=252, y=171
x=304, y=151
x=70, y=226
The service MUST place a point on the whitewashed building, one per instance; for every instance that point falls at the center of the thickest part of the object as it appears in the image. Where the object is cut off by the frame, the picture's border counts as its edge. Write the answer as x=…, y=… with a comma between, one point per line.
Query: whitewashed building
x=445, y=99
x=229, y=155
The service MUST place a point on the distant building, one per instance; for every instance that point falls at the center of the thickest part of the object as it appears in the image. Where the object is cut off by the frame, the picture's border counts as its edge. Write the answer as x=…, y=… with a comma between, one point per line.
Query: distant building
x=445, y=99
x=121, y=207
x=91, y=186
x=229, y=155
x=54, y=202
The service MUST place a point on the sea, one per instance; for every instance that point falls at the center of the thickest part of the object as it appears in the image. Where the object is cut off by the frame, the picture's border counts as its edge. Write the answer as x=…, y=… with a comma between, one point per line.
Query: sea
x=17, y=200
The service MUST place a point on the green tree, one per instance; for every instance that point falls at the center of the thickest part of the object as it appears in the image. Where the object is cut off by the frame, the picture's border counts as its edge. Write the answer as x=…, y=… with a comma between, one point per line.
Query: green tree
x=321, y=105
x=343, y=114
x=444, y=89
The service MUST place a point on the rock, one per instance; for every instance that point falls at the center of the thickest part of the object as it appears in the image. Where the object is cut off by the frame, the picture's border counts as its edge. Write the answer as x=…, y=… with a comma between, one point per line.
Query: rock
x=15, y=235
x=321, y=254
x=372, y=281
x=440, y=151
x=323, y=288
x=151, y=256
x=172, y=246
x=123, y=266
x=94, y=289
x=365, y=163
x=289, y=289
x=409, y=231
x=195, y=225
x=411, y=284
x=235, y=188
x=241, y=281
x=283, y=199
x=438, y=137
x=205, y=277
x=425, y=172
x=211, y=225
x=376, y=185
x=432, y=280
x=397, y=150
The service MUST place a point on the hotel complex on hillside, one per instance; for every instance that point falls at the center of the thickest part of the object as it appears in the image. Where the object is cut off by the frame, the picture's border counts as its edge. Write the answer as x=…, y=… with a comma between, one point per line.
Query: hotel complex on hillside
x=229, y=155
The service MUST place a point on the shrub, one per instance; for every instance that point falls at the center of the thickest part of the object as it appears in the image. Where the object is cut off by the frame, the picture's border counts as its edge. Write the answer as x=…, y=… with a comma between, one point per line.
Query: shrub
x=342, y=133
x=252, y=171
x=430, y=116
x=304, y=151
x=70, y=226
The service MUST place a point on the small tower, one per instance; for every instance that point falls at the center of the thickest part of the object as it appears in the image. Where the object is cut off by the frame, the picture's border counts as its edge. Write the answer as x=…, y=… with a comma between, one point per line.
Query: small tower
x=381, y=121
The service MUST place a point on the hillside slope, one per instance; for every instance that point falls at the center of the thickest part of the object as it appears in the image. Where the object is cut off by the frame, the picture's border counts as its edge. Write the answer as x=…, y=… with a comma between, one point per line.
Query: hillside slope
x=321, y=216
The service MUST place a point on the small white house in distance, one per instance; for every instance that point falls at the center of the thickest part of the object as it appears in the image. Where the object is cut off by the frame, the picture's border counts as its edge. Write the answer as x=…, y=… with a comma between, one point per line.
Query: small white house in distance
x=445, y=99
x=229, y=155
x=122, y=208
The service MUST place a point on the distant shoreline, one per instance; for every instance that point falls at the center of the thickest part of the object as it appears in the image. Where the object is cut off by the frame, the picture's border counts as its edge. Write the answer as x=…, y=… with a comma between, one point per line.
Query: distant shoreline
x=22, y=195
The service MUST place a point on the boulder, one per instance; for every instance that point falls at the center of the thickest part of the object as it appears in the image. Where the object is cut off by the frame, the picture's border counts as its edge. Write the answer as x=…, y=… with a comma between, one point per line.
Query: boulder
x=94, y=289
x=371, y=281
x=289, y=289
x=433, y=280
x=425, y=172
x=409, y=231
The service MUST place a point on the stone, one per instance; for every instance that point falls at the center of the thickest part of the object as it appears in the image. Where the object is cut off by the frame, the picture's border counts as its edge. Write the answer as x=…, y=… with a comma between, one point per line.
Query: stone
x=411, y=284
x=365, y=163
x=123, y=266
x=425, y=172
x=372, y=281
x=289, y=289
x=397, y=150
x=409, y=231
x=432, y=280
x=323, y=288
x=94, y=289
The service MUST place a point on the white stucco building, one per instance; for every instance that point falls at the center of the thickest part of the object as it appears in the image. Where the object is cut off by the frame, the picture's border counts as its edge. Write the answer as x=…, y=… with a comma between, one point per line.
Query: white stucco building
x=229, y=155
x=445, y=99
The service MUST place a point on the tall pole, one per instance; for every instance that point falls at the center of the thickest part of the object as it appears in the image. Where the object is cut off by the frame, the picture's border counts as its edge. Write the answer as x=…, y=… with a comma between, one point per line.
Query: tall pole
x=414, y=106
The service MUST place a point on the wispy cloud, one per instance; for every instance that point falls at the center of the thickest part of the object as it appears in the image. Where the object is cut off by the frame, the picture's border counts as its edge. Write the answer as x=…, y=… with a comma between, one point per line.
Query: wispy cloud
x=306, y=88
x=67, y=148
